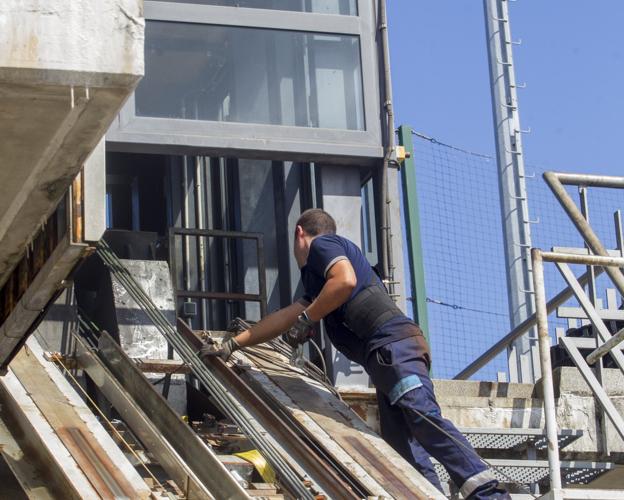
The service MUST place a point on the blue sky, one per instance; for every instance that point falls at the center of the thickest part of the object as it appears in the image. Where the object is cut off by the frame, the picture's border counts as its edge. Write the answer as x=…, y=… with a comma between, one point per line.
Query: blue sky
x=572, y=60
x=571, y=57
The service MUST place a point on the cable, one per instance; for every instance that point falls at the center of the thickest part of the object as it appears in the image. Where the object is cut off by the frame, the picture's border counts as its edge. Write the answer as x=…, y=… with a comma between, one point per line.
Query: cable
x=223, y=398
x=470, y=449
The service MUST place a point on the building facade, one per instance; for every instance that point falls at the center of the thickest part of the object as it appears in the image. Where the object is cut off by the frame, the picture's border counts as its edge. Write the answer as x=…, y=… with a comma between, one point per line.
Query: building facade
x=251, y=111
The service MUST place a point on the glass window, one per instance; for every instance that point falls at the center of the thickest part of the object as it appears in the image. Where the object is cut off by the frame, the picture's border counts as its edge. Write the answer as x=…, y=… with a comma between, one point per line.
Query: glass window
x=344, y=7
x=250, y=75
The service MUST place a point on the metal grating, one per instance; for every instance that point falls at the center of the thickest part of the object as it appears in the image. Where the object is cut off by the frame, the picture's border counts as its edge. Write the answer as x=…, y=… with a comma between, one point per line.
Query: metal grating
x=533, y=471
x=508, y=439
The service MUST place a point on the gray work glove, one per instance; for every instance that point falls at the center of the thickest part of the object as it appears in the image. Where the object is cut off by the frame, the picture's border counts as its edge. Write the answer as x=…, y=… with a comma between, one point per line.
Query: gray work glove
x=300, y=332
x=223, y=350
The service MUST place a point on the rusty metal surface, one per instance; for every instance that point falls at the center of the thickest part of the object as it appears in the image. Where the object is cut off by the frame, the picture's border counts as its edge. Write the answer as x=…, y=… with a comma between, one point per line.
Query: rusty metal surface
x=337, y=419
x=393, y=483
x=73, y=431
x=322, y=473
x=152, y=437
x=97, y=467
x=194, y=453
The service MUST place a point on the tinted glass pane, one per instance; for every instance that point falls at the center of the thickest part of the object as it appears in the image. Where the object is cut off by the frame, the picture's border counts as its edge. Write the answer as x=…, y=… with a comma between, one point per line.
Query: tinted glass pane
x=345, y=7
x=233, y=74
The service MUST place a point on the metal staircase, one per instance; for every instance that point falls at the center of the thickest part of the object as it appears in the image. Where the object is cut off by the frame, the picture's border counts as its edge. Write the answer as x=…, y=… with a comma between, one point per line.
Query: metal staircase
x=528, y=472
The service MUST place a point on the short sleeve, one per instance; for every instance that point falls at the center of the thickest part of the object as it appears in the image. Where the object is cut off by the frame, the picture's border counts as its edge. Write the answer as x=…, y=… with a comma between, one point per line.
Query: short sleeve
x=324, y=253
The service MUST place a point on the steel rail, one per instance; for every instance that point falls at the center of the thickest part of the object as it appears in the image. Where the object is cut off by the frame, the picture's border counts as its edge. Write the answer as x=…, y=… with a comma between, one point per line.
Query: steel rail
x=223, y=398
x=323, y=477
x=605, y=348
x=555, y=182
x=331, y=482
x=522, y=328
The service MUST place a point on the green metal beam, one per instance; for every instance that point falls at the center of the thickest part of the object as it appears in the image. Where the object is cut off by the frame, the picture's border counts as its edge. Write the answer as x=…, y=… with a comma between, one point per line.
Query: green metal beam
x=412, y=229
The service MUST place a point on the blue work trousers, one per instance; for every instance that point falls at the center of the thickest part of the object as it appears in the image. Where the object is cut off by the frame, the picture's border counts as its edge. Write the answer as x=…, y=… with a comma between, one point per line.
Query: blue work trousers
x=412, y=423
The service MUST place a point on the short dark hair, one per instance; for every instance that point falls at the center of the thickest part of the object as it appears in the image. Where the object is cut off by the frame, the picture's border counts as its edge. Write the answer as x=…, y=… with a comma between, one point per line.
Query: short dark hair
x=315, y=221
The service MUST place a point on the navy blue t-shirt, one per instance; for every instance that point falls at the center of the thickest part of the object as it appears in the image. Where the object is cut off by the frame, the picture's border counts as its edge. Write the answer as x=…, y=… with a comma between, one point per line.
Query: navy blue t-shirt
x=325, y=251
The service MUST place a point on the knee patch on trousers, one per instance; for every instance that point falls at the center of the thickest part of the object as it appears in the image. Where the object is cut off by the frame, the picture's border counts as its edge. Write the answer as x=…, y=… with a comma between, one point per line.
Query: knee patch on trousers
x=403, y=386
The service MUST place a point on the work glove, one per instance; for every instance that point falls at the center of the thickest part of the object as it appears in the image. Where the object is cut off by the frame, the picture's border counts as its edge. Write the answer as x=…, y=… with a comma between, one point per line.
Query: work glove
x=222, y=350
x=300, y=332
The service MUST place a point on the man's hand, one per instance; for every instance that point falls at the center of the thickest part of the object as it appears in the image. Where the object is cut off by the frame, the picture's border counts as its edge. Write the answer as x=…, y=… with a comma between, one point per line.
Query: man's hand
x=301, y=331
x=223, y=350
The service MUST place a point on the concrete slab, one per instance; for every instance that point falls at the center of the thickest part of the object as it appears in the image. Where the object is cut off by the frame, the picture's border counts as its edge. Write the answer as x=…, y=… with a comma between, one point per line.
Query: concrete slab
x=567, y=380
x=66, y=68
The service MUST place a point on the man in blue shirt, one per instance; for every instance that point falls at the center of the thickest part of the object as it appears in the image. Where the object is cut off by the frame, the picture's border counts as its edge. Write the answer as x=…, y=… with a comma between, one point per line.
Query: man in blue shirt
x=363, y=323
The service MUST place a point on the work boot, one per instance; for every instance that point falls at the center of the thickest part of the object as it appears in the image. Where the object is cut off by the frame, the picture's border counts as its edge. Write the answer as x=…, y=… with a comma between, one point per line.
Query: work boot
x=489, y=491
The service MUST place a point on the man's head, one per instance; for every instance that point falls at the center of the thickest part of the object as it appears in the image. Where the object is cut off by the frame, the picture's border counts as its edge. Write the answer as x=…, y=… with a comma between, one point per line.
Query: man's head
x=312, y=223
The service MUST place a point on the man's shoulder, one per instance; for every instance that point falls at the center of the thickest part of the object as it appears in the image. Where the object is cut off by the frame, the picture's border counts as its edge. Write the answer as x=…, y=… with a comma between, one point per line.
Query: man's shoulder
x=333, y=239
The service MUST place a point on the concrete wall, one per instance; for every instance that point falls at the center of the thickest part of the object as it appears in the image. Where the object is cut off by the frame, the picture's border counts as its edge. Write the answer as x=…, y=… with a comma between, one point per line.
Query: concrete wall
x=72, y=42
x=66, y=68
x=492, y=405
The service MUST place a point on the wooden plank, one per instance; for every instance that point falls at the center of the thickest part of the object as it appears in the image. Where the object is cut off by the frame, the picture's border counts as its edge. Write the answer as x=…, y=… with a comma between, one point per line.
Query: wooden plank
x=162, y=365
x=46, y=451
x=339, y=430
x=140, y=423
x=107, y=469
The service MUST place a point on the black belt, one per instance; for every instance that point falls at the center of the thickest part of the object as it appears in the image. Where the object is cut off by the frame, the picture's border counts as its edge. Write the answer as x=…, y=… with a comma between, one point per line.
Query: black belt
x=370, y=309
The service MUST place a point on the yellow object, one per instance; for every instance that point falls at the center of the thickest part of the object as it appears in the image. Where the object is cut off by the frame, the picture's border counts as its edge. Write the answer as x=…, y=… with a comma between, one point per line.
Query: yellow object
x=262, y=466
x=401, y=154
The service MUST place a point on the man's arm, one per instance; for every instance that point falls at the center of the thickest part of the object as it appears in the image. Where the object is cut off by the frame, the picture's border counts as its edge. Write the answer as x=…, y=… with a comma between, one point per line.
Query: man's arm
x=340, y=282
x=270, y=326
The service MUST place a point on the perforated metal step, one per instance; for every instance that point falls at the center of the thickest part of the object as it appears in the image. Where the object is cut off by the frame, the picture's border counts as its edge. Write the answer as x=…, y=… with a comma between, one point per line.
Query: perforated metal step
x=532, y=471
x=510, y=439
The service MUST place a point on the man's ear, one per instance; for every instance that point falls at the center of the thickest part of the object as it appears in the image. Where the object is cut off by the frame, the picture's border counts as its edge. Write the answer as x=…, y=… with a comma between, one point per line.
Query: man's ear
x=298, y=231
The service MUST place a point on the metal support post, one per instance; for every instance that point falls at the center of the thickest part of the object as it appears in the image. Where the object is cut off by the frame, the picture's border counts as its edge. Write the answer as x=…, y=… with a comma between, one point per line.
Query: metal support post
x=605, y=348
x=412, y=230
x=547, y=380
x=513, y=196
x=603, y=441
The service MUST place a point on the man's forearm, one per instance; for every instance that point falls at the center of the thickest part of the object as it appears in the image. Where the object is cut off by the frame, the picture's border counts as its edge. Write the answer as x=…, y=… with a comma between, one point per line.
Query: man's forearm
x=270, y=326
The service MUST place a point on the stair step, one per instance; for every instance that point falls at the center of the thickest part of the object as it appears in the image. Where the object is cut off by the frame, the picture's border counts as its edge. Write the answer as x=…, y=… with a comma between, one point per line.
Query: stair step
x=532, y=471
x=512, y=438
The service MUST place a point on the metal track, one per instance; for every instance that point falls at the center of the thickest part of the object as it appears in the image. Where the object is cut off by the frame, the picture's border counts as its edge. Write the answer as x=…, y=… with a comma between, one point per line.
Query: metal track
x=324, y=478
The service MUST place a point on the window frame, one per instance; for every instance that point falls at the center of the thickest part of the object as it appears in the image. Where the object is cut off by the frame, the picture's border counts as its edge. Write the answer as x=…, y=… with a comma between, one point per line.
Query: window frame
x=133, y=133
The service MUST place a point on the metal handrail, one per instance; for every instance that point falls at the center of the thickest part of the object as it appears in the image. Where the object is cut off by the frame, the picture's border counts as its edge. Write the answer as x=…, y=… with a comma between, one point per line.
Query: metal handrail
x=556, y=182
x=521, y=329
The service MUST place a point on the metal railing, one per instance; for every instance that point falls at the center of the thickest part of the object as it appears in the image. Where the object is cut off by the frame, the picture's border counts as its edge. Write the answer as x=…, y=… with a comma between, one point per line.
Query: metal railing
x=202, y=294
x=556, y=182
x=562, y=260
x=598, y=259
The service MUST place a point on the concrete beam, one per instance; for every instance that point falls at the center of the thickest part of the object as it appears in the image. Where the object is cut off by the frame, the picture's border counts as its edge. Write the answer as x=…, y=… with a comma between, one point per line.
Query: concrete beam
x=66, y=68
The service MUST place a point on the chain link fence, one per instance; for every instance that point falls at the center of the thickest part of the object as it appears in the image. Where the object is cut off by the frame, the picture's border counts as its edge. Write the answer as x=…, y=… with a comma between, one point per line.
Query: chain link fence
x=462, y=240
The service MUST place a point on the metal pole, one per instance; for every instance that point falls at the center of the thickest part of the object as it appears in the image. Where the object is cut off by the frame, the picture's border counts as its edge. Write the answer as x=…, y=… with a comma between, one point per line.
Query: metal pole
x=554, y=181
x=558, y=300
x=201, y=242
x=606, y=347
x=385, y=201
x=412, y=224
x=512, y=188
x=547, y=381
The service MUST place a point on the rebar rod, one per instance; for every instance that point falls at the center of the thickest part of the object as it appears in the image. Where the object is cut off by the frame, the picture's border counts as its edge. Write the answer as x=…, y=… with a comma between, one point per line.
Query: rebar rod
x=218, y=391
